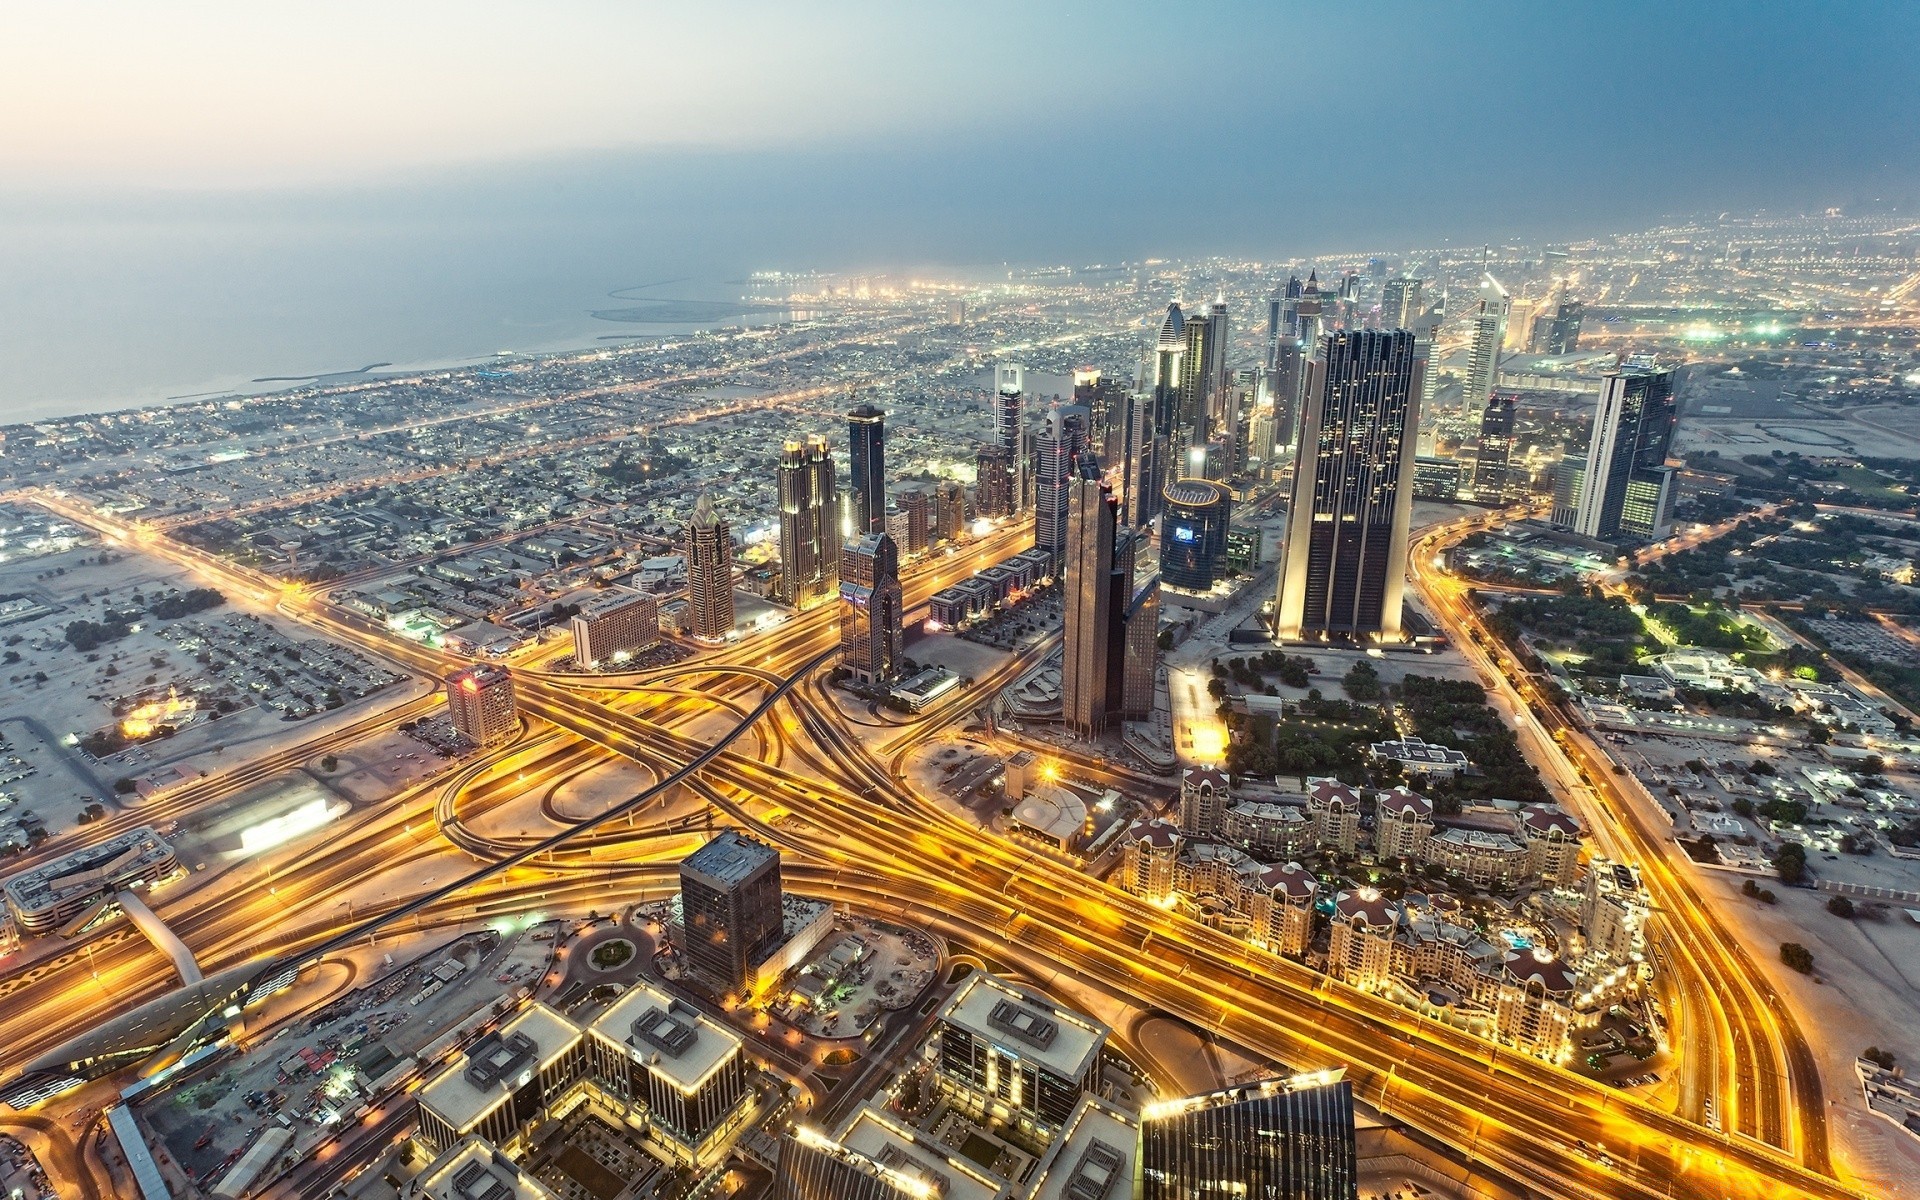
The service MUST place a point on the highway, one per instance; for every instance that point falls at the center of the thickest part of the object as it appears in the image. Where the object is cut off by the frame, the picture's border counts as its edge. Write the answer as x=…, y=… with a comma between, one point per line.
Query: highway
x=864, y=837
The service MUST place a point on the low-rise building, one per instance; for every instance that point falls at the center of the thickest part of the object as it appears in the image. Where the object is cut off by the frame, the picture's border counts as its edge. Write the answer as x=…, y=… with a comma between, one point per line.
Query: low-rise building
x=69, y=892
x=503, y=1088
x=661, y=1060
x=1420, y=758
x=1534, y=1009
x=992, y=1033
x=1482, y=858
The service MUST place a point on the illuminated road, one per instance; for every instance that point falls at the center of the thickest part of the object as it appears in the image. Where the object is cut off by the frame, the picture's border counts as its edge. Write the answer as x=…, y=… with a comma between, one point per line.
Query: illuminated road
x=873, y=841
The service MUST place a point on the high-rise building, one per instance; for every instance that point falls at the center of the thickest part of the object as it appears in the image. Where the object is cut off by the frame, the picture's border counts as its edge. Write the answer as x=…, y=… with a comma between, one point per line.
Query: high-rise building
x=913, y=502
x=1568, y=476
x=1520, y=317
x=809, y=516
x=730, y=910
x=1289, y=345
x=480, y=702
x=1218, y=345
x=1558, y=332
x=1400, y=302
x=1091, y=622
x=1346, y=557
x=1006, y=1056
x=993, y=481
x=1139, y=678
x=1193, y=534
x=1496, y=448
x=1060, y=457
x=1197, y=365
x=867, y=448
x=870, y=609
x=1489, y=334
x=709, y=574
x=1290, y=1138
x=1010, y=430
x=615, y=624
x=1626, y=489
x=949, y=512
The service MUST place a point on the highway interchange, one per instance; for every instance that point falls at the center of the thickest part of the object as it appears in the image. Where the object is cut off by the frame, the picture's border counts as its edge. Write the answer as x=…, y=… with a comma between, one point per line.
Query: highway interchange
x=853, y=830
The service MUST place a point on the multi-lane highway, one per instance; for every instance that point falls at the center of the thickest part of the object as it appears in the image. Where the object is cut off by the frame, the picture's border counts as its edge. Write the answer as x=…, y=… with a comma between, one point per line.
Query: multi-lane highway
x=863, y=835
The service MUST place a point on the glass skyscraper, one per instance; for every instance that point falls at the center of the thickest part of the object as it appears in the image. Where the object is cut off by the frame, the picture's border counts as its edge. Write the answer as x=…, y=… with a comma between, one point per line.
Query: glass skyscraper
x=1346, y=559
x=1288, y=1138
x=866, y=446
x=1626, y=491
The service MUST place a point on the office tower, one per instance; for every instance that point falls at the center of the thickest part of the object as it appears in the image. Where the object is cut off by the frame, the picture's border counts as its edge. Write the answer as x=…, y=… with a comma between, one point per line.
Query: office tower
x=1106, y=404
x=913, y=502
x=1261, y=430
x=867, y=448
x=1006, y=1056
x=1496, y=448
x=1568, y=475
x=1198, y=365
x=1060, y=457
x=615, y=624
x=1218, y=346
x=1400, y=302
x=1289, y=361
x=1520, y=318
x=709, y=574
x=949, y=512
x=730, y=910
x=1626, y=489
x=1291, y=1138
x=809, y=515
x=1236, y=423
x=480, y=702
x=993, y=481
x=1559, y=331
x=1426, y=328
x=1090, y=618
x=1489, y=332
x=1010, y=430
x=1141, y=655
x=1346, y=558
x=1193, y=534
x=870, y=609
x=1278, y=315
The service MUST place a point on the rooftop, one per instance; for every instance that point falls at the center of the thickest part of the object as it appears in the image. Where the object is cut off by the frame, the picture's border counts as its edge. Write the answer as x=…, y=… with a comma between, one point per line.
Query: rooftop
x=487, y=1074
x=1025, y=1025
x=104, y=865
x=476, y=1170
x=1092, y=1159
x=900, y=1148
x=675, y=1040
x=730, y=859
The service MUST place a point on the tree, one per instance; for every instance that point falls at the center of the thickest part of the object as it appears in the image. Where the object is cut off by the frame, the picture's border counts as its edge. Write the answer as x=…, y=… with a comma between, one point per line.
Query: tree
x=1790, y=862
x=1797, y=957
x=1880, y=1058
x=1362, y=682
x=1841, y=907
x=329, y=763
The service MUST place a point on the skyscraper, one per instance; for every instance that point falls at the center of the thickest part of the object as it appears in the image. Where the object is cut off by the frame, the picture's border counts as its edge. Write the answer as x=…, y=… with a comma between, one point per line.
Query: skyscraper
x=949, y=512
x=1193, y=534
x=1400, y=302
x=1090, y=617
x=809, y=511
x=1346, y=556
x=1291, y=1138
x=1626, y=489
x=730, y=910
x=1060, y=456
x=1561, y=328
x=870, y=608
x=1010, y=429
x=1218, y=344
x=1191, y=415
x=913, y=502
x=1141, y=655
x=1489, y=333
x=1496, y=448
x=993, y=481
x=709, y=573
x=866, y=447
x=1288, y=343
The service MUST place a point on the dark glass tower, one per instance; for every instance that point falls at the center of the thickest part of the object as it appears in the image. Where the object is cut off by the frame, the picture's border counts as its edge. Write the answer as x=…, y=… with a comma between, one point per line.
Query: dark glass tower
x=1627, y=491
x=870, y=608
x=1496, y=450
x=866, y=446
x=813, y=1168
x=1290, y=1138
x=1346, y=556
x=1193, y=534
x=730, y=909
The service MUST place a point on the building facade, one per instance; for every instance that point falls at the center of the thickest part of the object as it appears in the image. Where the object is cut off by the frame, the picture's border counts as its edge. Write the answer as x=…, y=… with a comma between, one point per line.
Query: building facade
x=709, y=574
x=481, y=705
x=809, y=524
x=1346, y=558
x=870, y=609
x=1094, y=627
x=1193, y=541
x=1626, y=488
x=730, y=903
x=616, y=624
x=1291, y=1138
x=867, y=472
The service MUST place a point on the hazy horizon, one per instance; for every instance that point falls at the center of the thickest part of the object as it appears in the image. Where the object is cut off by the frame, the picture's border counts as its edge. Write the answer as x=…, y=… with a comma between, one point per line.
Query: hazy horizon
x=194, y=200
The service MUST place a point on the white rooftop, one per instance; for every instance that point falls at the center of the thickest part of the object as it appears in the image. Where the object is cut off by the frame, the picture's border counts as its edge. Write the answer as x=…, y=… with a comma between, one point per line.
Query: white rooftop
x=672, y=1038
x=897, y=1146
x=484, y=1077
x=1093, y=1156
x=1028, y=1027
x=476, y=1170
